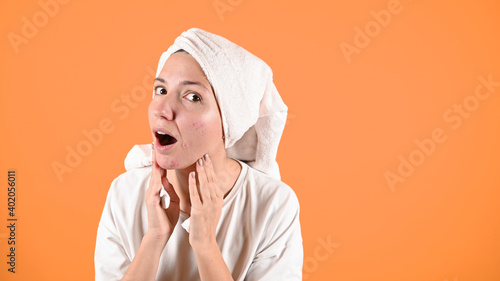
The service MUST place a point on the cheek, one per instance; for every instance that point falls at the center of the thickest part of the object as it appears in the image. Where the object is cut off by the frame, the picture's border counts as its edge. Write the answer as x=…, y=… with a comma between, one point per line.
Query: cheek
x=198, y=126
x=208, y=127
x=205, y=130
x=198, y=133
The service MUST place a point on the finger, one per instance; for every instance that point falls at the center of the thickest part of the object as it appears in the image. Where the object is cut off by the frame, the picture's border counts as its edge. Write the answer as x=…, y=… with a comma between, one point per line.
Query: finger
x=209, y=168
x=154, y=165
x=155, y=180
x=162, y=172
x=202, y=179
x=156, y=176
x=193, y=190
x=211, y=178
x=153, y=152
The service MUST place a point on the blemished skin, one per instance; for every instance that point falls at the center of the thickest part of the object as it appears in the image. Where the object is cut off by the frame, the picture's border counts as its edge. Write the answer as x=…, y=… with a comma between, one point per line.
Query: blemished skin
x=184, y=107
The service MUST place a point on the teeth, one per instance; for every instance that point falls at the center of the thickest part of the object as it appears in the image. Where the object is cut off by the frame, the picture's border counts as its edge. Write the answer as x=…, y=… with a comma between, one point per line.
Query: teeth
x=161, y=133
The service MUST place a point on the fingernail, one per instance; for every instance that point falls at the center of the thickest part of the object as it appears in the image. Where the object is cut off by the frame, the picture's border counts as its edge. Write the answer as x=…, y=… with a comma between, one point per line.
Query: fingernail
x=206, y=157
x=193, y=174
x=200, y=162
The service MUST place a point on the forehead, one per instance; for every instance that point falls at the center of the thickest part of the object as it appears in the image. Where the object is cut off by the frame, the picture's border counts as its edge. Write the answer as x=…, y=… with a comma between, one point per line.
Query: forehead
x=182, y=66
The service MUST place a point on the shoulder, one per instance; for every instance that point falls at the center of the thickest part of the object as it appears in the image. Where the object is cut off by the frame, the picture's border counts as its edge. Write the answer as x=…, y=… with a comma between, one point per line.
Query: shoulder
x=129, y=188
x=273, y=209
x=131, y=178
x=270, y=194
x=268, y=186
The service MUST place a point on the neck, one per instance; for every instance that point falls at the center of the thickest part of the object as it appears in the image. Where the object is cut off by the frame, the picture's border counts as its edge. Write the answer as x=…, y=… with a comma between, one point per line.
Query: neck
x=226, y=170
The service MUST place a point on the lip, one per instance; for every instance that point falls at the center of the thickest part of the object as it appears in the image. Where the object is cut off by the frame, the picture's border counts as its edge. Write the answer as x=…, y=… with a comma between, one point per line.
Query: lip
x=158, y=146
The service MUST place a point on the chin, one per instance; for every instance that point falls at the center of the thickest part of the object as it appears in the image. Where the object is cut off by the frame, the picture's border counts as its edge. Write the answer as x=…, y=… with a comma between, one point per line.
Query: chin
x=169, y=163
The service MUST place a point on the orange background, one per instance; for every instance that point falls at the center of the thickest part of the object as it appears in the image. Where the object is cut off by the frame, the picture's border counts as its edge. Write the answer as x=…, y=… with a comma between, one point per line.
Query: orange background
x=349, y=125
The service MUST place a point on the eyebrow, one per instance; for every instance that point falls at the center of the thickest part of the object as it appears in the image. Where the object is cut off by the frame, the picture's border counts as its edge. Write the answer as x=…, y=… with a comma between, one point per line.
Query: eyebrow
x=185, y=82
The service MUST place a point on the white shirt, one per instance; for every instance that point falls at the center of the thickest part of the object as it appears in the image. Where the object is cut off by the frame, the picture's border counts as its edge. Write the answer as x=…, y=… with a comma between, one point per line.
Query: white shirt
x=258, y=232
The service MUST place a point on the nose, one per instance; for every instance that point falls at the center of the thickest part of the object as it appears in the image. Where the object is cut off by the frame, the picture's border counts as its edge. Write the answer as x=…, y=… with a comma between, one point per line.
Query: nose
x=164, y=106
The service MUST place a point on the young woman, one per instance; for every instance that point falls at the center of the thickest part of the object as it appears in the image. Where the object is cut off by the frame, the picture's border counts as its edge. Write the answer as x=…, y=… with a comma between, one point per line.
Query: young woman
x=206, y=202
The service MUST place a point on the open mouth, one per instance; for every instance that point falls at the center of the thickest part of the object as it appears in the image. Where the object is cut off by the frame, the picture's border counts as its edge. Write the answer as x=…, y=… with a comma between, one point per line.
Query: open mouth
x=165, y=139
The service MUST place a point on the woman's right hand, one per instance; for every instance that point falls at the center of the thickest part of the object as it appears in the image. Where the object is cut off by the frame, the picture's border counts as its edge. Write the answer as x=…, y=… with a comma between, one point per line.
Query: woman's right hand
x=161, y=222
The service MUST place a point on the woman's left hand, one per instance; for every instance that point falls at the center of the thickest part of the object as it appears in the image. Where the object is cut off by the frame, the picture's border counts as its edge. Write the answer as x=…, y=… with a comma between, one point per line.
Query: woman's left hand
x=206, y=205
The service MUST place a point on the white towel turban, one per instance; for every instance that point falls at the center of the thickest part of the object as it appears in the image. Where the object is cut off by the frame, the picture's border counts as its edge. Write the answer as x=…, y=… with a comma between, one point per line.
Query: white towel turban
x=253, y=113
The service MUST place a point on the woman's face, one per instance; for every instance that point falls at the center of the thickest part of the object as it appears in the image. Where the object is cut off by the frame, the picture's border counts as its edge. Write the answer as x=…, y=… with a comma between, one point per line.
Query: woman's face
x=183, y=115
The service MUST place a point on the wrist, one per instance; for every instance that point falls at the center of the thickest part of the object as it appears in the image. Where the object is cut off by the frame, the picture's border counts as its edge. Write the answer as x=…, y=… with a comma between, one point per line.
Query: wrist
x=206, y=250
x=155, y=239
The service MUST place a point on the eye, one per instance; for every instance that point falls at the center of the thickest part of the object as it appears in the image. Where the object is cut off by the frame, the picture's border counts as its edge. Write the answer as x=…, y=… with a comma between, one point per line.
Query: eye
x=193, y=97
x=159, y=90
